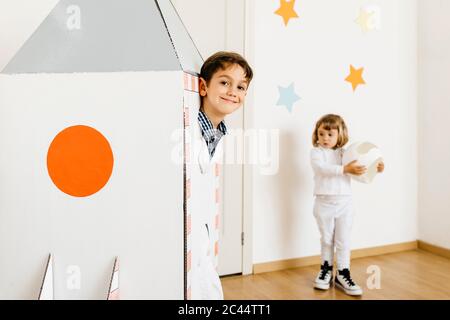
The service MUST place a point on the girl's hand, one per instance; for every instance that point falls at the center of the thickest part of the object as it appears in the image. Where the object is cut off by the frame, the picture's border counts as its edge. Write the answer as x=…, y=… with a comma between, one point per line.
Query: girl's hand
x=380, y=167
x=353, y=168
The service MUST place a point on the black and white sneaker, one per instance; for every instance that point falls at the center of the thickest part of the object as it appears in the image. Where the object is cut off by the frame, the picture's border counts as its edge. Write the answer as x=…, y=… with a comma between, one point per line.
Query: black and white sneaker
x=325, y=277
x=344, y=282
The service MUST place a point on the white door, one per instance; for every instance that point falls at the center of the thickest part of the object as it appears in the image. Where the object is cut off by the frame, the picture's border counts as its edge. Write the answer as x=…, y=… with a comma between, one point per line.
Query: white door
x=217, y=25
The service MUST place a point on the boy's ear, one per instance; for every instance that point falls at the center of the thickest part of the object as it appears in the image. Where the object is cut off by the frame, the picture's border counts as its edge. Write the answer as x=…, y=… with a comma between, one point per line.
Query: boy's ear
x=202, y=86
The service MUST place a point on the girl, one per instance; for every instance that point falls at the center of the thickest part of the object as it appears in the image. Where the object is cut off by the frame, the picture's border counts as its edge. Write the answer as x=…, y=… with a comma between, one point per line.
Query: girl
x=333, y=208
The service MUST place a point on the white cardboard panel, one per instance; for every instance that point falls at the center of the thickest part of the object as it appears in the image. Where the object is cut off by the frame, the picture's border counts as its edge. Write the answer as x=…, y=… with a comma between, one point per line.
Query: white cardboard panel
x=46, y=292
x=138, y=215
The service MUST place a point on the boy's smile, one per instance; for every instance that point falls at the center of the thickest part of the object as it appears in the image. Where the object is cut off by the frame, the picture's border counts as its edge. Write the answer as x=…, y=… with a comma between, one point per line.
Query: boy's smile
x=225, y=93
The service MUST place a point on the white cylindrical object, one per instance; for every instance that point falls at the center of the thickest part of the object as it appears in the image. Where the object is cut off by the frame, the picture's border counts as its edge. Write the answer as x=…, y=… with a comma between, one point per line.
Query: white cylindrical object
x=366, y=154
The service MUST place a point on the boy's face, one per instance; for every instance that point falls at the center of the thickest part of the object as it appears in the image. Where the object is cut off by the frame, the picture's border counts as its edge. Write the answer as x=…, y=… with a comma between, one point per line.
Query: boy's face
x=225, y=92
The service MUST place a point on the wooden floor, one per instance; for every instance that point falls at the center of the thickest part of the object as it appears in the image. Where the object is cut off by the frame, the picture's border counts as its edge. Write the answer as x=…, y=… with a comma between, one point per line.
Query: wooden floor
x=407, y=275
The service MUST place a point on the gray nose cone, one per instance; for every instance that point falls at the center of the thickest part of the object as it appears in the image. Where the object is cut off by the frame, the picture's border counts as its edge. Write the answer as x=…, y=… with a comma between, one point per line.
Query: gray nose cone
x=108, y=36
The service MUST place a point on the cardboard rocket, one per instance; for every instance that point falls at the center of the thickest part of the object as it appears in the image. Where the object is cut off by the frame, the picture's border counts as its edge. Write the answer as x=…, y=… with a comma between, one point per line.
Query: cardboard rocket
x=95, y=110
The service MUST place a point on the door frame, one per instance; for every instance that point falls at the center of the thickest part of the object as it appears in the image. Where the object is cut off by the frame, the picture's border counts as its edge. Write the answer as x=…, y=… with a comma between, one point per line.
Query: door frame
x=248, y=169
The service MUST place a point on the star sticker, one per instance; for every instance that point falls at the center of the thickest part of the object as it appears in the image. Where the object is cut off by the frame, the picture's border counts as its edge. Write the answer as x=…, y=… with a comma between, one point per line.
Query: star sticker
x=355, y=77
x=287, y=97
x=286, y=10
x=366, y=20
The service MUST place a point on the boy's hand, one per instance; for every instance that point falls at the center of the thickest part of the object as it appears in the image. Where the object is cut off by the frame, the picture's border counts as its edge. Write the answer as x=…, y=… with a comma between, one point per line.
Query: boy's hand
x=380, y=167
x=354, y=168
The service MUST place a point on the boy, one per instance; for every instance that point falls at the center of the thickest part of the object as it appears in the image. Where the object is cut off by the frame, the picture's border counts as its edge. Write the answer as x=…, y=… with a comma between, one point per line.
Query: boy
x=224, y=80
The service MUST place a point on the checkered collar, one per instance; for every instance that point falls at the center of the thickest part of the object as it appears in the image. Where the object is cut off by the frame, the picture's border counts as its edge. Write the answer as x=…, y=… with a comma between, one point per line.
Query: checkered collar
x=208, y=130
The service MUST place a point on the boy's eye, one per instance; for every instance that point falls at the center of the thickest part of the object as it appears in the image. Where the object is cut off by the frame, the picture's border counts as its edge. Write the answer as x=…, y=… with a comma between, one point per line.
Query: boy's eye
x=225, y=83
x=242, y=88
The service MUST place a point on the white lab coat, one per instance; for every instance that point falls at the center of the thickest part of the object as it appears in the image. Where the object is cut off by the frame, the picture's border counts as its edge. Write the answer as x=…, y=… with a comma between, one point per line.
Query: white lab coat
x=205, y=279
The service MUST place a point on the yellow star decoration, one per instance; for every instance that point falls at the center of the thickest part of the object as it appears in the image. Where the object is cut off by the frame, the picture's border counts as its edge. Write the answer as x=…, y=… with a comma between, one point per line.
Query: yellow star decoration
x=355, y=77
x=286, y=10
x=364, y=20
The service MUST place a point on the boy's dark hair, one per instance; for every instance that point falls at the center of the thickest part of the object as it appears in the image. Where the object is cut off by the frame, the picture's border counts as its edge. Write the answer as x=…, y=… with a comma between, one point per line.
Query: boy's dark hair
x=221, y=60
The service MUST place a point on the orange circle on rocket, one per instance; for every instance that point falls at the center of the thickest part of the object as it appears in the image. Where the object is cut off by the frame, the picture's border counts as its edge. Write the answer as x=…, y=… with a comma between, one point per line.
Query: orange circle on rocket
x=80, y=161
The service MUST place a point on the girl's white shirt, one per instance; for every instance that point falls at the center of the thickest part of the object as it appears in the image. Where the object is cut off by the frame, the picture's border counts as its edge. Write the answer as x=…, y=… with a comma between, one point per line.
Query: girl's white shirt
x=329, y=177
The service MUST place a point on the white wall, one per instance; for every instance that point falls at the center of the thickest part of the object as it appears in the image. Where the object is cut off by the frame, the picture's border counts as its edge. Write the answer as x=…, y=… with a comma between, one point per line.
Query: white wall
x=315, y=52
x=18, y=20
x=434, y=125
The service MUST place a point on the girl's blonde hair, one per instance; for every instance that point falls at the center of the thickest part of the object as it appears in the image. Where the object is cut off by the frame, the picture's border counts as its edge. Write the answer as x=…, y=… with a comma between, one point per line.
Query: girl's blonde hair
x=329, y=122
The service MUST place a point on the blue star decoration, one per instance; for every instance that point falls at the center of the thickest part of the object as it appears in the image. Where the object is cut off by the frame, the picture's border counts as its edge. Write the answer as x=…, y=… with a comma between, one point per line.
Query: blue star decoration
x=287, y=97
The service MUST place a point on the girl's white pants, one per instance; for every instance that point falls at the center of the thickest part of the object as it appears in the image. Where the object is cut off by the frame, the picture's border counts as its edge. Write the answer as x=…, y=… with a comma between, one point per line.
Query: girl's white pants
x=334, y=216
